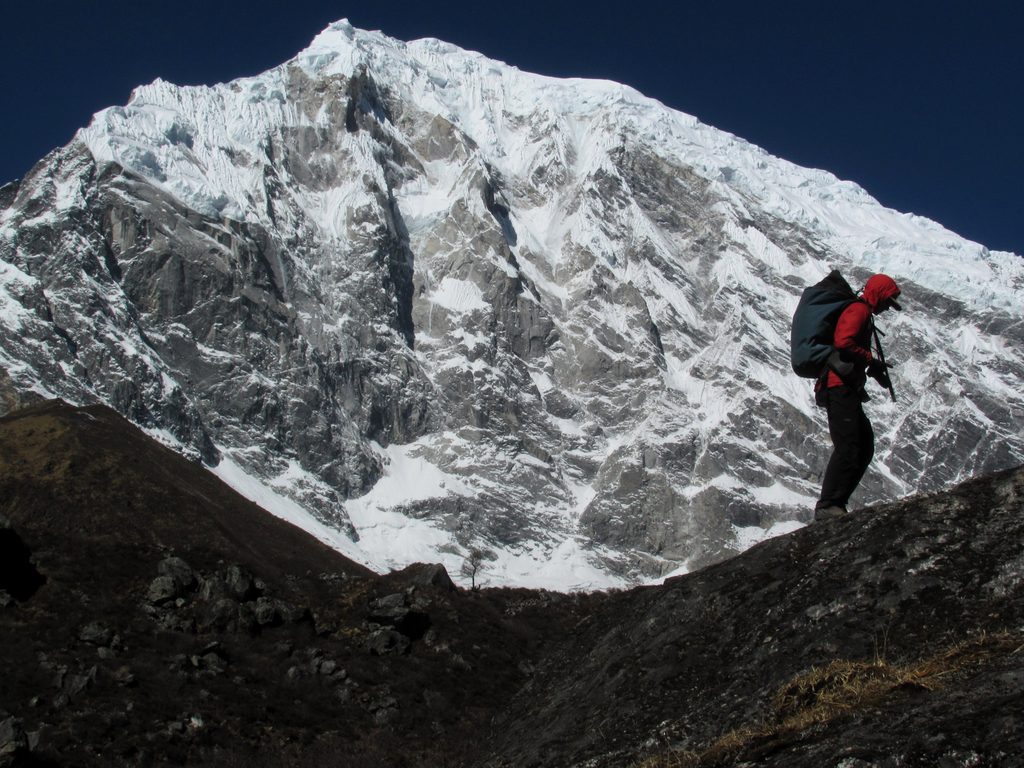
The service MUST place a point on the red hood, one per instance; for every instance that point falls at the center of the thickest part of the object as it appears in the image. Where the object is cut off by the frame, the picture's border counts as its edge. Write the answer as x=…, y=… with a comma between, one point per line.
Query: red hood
x=878, y=289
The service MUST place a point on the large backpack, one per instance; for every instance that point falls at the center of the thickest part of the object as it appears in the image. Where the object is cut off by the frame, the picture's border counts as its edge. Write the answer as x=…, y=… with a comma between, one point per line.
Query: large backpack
x=814, y=324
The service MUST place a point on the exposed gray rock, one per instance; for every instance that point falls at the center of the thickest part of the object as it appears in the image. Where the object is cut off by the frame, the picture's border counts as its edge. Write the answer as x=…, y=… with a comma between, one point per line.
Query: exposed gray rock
x=432, y=575
x=96, y=633
x=222, y=614
x=210, y=663
x=178, y=570
x=213, y=587
x=267, y=613
x=382, y=705
x=124, y=676
x=326, y=667
x=389, y=609
x=395, y=611
x=240, y=584
x=385, y=642
x=14, y=748
x=74, y=684
x=162, y=590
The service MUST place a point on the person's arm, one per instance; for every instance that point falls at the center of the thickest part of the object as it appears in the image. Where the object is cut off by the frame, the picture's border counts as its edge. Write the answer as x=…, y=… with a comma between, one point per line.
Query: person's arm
x=851, y=325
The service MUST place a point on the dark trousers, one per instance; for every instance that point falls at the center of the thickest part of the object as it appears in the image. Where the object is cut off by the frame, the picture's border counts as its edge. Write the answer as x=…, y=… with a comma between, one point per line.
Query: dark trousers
x=853, y=445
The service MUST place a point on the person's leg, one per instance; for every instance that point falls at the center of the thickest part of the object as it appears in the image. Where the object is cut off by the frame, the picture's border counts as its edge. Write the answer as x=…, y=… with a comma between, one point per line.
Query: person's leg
x=866, y=443
x=846, y=466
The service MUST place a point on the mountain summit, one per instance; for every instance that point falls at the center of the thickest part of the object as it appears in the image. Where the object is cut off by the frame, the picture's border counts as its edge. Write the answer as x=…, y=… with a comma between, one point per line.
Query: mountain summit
x=425, y=304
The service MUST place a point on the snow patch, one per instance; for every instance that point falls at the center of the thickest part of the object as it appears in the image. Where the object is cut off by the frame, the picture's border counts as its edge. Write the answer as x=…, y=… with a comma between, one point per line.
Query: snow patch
x=749, y=535
x=284, y=508
x=458, y=295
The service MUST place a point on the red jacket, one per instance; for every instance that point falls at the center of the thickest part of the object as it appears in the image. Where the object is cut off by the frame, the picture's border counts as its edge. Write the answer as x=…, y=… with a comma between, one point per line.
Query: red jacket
x=853, y=329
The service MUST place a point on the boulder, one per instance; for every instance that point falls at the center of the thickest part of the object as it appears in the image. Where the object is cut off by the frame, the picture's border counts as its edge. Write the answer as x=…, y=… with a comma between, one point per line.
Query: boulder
x=393, y=610
x=162, y=590
x=427, y=575
x=387, y=642
x=13, y=743
x=96, y=634
x=222, y=614
x=267, y=612
x=240, y=584
x=124, y=676
x=179, y=571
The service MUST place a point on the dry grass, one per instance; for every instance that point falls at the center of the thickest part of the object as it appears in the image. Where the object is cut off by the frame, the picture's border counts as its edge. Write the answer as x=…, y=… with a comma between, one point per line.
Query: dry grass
x=841, y=687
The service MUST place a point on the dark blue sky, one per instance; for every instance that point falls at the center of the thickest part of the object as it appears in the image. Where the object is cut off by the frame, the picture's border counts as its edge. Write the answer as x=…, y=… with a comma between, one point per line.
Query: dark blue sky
x=921, y=103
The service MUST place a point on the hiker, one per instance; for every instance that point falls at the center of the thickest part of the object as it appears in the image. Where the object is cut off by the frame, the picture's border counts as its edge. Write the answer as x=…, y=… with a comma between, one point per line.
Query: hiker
x=853, y=440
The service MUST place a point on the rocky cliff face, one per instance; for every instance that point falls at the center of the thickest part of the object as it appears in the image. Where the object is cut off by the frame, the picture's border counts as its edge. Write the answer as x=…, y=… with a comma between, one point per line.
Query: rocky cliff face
x=150, y=615
x=438, y=304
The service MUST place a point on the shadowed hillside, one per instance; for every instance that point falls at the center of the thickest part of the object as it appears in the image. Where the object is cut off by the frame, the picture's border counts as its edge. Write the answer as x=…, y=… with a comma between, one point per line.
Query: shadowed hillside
x=151, y=616
x=156, y=617
x=892, y=637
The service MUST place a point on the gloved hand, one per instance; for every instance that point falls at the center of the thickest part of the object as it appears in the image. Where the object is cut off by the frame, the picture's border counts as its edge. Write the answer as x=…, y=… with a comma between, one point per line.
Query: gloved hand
x=879, y=372
x=876, y=370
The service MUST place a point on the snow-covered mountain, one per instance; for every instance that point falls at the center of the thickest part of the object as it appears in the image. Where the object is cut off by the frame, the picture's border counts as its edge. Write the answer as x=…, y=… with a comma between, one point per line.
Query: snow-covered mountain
x=421, y=303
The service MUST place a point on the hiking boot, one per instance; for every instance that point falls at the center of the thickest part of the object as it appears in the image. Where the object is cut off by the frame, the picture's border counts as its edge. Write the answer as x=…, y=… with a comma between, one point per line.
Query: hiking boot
x=825, y=514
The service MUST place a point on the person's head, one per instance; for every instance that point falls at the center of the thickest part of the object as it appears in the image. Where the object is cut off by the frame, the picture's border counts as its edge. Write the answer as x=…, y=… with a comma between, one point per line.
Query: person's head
x=881, y=294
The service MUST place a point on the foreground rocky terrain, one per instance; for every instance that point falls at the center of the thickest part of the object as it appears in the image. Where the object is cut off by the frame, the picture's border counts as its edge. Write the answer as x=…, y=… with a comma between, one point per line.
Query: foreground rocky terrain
x=151, y=616
x=893, y=637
